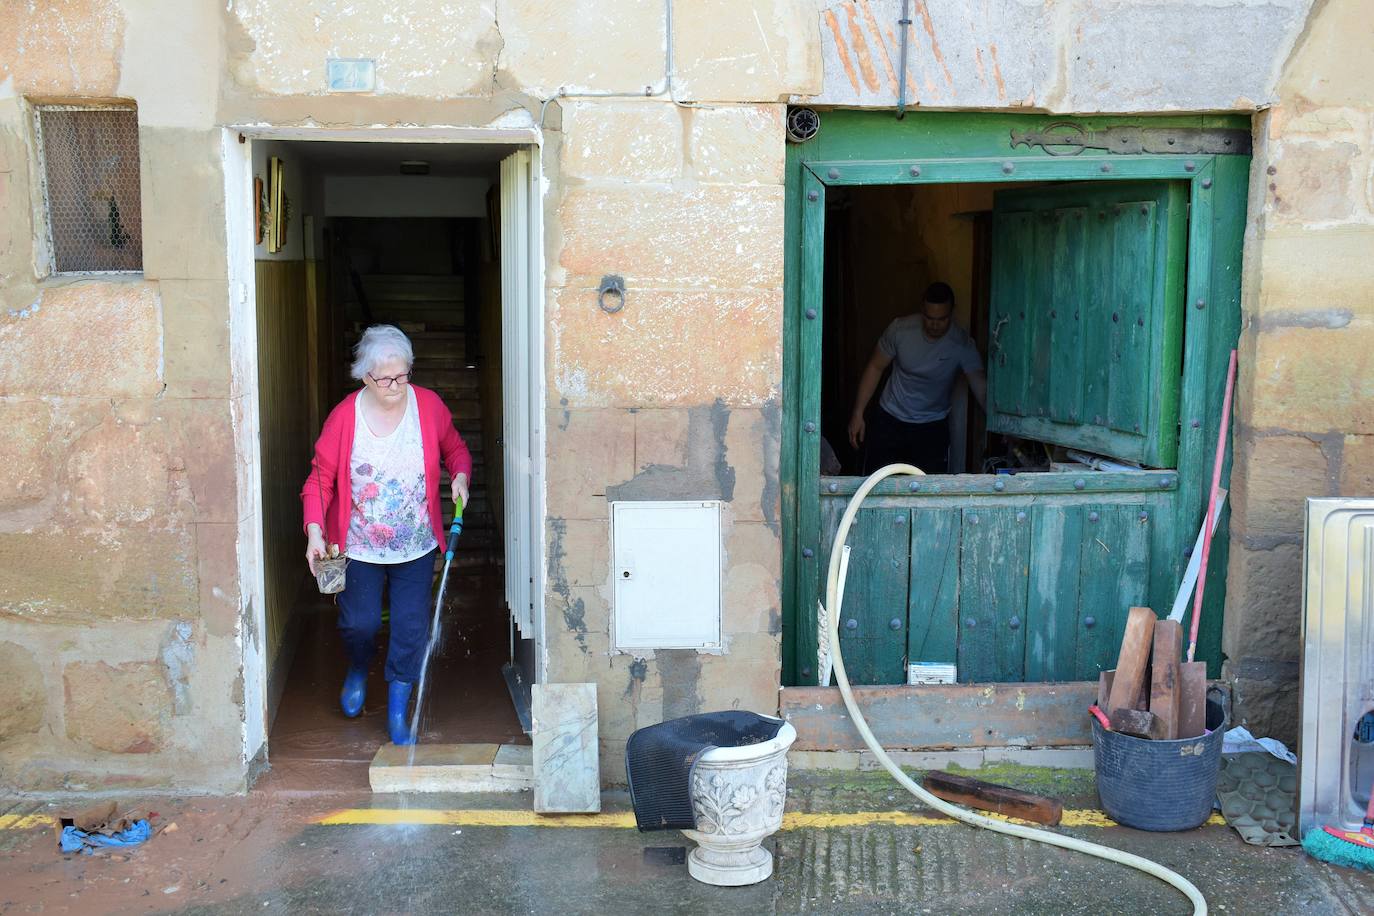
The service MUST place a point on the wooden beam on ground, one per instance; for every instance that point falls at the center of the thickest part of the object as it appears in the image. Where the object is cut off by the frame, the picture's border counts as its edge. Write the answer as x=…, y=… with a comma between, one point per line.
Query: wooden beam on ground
x=987, y=796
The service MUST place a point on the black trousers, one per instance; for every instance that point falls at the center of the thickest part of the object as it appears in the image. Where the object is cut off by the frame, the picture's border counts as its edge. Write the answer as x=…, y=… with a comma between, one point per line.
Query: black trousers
x=888, y=440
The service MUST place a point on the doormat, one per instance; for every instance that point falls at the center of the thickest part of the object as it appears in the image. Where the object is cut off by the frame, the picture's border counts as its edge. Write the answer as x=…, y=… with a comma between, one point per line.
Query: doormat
x=1258, y=797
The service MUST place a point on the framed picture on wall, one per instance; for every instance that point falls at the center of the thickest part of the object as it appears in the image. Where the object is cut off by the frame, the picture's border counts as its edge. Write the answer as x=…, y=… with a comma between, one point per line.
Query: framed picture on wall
x=259, y=211
x=276, y=205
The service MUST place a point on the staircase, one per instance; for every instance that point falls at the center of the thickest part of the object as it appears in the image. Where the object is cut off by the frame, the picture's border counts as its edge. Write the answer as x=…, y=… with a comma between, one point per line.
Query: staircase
x=432, y=313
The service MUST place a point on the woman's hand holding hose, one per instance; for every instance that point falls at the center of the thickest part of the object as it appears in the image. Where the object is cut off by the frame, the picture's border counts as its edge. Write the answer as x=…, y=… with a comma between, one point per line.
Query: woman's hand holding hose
x=460, y=490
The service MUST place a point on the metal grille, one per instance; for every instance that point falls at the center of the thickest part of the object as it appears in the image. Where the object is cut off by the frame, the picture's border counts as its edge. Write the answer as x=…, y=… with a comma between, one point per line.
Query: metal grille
x=90, y=188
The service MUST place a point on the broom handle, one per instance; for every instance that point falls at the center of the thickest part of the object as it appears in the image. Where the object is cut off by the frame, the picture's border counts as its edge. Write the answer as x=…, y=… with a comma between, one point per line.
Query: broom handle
x=1212, y=503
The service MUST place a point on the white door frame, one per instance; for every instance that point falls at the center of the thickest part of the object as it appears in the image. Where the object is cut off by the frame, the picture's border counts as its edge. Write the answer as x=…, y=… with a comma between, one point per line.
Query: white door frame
x=237, y=155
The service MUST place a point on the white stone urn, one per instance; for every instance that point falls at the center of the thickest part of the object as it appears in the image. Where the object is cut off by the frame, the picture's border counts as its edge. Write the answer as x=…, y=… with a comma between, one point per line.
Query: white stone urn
x=738, y=794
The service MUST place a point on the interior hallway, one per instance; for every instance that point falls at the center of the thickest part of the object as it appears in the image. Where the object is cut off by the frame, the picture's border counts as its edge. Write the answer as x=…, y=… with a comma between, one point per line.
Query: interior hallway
x=313, y=745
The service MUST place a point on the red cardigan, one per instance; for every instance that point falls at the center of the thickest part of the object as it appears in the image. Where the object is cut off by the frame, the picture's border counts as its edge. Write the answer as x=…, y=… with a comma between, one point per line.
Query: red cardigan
x=327, y=505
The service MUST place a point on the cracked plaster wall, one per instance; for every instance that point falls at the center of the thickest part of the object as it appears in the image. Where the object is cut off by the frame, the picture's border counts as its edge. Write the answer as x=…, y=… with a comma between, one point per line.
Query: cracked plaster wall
x=120, y=614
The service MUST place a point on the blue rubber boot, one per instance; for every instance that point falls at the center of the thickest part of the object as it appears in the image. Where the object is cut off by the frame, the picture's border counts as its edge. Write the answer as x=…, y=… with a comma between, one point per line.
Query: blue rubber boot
x=354, y=691
x=397, y=718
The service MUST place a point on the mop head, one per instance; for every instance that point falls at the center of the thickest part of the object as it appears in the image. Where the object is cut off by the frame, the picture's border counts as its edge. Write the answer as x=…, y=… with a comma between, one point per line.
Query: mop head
x=1351, y=848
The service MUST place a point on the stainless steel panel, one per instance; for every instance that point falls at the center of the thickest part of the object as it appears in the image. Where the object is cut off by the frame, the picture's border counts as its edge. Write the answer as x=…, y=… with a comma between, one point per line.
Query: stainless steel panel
x=1337, y=661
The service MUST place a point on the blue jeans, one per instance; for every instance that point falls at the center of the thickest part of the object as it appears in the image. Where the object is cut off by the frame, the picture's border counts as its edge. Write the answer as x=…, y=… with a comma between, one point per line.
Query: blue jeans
x=360, y=613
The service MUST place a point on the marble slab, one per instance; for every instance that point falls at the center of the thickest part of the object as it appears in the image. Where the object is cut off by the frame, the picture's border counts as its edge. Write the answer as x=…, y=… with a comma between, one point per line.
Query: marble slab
x=567, y=770
x=451, y=768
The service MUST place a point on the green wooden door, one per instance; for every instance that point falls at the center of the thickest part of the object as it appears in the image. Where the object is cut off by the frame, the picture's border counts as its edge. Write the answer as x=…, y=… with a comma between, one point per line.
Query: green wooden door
x=1086, y=317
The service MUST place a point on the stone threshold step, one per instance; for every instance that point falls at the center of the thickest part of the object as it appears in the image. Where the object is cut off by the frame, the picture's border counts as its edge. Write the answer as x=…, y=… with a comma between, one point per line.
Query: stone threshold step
x=453, y=768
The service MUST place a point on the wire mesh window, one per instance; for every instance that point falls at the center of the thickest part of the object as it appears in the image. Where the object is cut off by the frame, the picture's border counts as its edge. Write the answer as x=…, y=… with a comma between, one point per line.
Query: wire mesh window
x=91, y=193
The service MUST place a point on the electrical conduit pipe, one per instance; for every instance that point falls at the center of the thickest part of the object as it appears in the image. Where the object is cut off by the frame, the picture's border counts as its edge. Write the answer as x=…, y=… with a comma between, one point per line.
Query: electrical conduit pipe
x=832, y=597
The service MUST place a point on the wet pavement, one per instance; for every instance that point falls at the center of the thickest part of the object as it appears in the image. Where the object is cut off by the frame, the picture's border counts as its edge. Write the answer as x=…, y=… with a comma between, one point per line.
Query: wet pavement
x=840, y=851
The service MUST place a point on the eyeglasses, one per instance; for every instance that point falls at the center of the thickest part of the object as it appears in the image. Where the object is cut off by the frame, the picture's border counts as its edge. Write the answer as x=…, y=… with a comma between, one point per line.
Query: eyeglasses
x=387, y=381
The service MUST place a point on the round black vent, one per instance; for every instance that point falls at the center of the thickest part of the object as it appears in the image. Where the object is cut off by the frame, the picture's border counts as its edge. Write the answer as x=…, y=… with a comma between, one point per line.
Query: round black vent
x=802, y=124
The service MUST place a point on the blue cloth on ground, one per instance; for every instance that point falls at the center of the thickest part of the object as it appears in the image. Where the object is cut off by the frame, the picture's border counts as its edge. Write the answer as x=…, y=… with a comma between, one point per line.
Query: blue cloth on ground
x=77, y=840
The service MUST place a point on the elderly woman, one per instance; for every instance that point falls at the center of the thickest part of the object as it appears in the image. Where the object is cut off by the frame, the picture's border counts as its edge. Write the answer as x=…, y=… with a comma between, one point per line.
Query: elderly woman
x=374, y=491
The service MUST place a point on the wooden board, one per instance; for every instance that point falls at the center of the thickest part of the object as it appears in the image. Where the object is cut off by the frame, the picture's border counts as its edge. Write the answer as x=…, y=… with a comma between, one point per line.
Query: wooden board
x=1052, y=597
x=987, y=796
x=1192, y=712
x=933, y=602
x=876, y=597
x=940, y=717
x=1165, y=684
x=1133, y=661
x=993, y=574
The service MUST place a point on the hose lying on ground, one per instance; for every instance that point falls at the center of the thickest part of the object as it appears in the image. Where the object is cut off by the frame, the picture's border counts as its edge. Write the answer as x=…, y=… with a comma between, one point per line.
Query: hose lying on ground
x=832, y=604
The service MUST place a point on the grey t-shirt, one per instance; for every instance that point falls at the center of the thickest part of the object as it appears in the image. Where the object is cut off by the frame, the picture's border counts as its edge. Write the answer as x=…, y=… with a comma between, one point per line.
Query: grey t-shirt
x=924, y=370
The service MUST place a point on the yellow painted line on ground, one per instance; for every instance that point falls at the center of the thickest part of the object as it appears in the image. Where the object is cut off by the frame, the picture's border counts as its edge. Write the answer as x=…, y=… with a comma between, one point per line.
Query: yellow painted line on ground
x=795, y=820
x=25, y=821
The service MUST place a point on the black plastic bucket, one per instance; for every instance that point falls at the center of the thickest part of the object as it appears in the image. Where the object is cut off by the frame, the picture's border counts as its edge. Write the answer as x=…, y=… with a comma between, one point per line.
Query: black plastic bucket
x=1159, y=785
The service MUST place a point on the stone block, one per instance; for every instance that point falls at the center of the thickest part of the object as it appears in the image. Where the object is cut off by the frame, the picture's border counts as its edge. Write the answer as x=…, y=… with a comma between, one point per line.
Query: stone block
x=669, y=349
x=67, y=49
x=1263, y=601
x=772, y=50
x=117, y=473
x=579, y=552
x=1317, y=278
x=567, y=775
x=704, y=237
x=588, y=450
x=738, y=144
x=746, y=677
x=584, y=45
x=1314, y=182
x=752, y=598
x=661, y=438
x=622, y=141
x=1313, y=379
x=1357, y=466
x=26, y=698
x=1270, y=482
x=195, y=320
x=203, y=449
x=90, y=339
x=429, y=50
x=217, y=577
x=1267, y=706
x=183, y=204
x=81, y=576
x=25, y=452
x=753, y=448
x=117, y=708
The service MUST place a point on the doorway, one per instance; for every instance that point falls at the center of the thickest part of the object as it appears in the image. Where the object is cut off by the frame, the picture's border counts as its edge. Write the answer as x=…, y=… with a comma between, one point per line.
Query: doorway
x=433, y=238
x=1101, y=292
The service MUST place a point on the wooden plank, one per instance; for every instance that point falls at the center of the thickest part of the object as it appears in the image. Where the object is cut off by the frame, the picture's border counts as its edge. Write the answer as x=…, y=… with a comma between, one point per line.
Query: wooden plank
x=1113, y=576
x=1133, y=288
x=993, y=575
x=876, y=597
x=1192, y=713
x=1052, y=597
x=1104, y=691
x=987, y=796
x=940, y=717
x=940, y=171
x=1013, y=238
x=1165, y=686
x=1069, y=301
x=1133, y=661
x=1078, y=485
x=807, y=444
x=933, y=601
x=1140, y=723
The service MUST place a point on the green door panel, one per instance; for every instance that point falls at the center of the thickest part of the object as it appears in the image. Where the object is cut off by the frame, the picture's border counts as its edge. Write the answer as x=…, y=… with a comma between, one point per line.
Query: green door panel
x=1114, y=576
x=993, y=572
x=933, y=604
x=875, y=595
x=1087, y=317
x=1052, y=599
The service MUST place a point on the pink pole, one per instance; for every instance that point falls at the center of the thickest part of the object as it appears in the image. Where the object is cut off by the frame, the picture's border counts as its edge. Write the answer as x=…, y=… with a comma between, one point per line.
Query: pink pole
x=1212, y=504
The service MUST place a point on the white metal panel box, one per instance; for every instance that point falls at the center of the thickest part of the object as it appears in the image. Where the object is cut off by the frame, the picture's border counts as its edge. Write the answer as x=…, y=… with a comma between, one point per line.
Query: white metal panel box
x=666, y=565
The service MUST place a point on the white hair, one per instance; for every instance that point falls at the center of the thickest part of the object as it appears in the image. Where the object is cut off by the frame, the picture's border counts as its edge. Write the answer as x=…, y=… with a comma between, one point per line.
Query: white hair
x=378, y=344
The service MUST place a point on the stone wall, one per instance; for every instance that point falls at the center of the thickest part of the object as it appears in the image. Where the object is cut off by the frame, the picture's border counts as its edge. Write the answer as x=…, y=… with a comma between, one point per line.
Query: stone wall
x=1305, y=403
x=126, y=518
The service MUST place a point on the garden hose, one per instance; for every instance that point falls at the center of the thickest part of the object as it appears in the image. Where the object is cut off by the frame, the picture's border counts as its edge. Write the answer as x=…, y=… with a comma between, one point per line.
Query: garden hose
x=832, y=597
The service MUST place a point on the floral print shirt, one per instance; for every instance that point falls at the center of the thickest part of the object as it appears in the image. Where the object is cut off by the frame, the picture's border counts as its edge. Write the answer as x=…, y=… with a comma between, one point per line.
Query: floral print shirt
x=389, y=518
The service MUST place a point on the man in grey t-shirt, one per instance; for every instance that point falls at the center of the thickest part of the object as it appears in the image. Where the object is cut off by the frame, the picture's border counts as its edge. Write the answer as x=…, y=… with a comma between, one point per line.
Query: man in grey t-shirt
x=927, y=351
